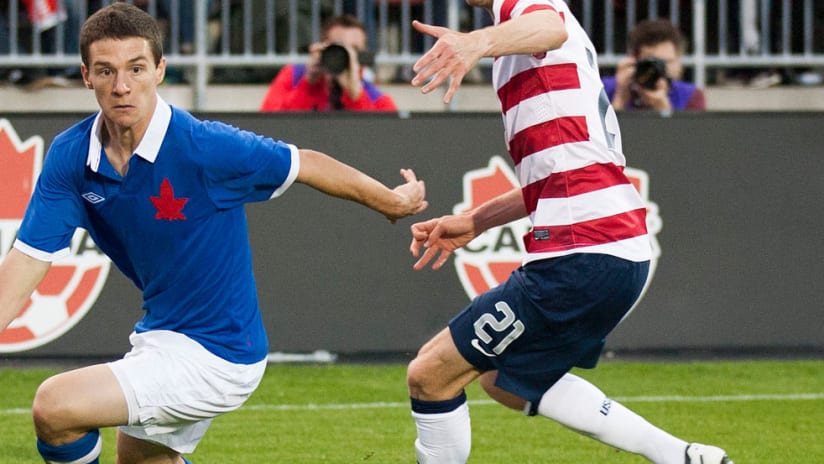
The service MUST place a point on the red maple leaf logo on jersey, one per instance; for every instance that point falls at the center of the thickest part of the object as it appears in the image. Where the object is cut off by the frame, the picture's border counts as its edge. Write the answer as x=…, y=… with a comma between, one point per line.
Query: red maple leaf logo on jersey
x=168, y=207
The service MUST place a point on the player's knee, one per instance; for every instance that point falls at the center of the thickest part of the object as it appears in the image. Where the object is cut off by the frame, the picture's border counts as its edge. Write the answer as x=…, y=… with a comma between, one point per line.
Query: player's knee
x=414, y=375
x=420, y=380
x=48, y=411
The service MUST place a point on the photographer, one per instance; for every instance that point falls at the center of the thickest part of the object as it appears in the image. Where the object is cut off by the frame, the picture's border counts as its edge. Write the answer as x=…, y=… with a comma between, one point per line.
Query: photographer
x=333, y=78
x=649, y=78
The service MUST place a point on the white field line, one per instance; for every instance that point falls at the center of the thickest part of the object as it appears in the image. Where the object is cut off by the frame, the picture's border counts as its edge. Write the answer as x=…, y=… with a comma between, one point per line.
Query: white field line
x=623, y=399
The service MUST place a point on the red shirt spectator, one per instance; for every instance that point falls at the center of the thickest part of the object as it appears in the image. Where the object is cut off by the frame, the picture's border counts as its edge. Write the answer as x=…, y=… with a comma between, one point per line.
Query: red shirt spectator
x=333, y=77
x=292, y=91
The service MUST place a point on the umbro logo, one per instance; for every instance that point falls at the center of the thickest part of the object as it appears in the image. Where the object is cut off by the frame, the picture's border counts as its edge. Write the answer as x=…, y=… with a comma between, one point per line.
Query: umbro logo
x=92, y=197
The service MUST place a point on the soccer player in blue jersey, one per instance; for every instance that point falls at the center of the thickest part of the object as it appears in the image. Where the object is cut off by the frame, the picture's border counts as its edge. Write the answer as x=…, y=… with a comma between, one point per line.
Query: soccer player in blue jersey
x=162, y=194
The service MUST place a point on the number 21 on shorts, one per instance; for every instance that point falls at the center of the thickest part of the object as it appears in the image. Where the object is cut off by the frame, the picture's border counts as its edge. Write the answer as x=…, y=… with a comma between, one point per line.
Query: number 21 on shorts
x=507, y=323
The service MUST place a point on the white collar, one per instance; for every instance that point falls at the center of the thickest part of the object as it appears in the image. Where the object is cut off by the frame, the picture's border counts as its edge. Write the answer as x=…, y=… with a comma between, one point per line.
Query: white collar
x=149, y=146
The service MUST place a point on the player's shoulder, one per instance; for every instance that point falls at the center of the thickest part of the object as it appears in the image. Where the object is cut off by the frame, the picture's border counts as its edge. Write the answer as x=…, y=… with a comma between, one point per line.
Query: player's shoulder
x=72, y=144
x=209, y=140
x=182, y=120
x=77, y=133
x=201, y=133
x=532, y=5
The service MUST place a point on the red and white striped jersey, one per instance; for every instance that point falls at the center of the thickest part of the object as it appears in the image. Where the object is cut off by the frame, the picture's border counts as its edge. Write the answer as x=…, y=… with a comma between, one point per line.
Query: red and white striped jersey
x=564, y=140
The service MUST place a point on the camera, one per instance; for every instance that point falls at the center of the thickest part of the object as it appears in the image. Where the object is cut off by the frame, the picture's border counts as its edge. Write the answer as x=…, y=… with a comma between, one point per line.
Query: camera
x=335, y=58
x=649, y=70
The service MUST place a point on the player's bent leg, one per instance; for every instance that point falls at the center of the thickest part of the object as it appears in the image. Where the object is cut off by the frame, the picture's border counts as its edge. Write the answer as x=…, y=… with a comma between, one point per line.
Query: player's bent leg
x=439, y=372
x=581, y=406
x=436, y=379
x=69, y=408
x=131, y=450
x=510, y=400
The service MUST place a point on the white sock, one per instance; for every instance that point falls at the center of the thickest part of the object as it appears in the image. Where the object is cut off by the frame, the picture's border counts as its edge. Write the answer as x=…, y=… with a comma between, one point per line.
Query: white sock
x=581, y=406
x=443, y=438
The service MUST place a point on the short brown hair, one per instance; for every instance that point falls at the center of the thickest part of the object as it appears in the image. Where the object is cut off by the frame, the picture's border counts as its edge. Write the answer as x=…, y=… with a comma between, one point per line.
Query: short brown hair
x=651, y=32
x=120, y=21
x=345, y=20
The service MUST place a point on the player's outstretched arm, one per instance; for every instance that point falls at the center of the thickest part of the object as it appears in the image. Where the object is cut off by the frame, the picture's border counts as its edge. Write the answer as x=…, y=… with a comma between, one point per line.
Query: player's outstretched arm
x=338, y=179
x=454, y=54
x=19, y=276
x=441, y=236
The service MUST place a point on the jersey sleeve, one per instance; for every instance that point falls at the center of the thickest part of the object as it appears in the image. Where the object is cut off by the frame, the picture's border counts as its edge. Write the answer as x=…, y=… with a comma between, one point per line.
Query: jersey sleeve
x=53, y=214
x=242, y=167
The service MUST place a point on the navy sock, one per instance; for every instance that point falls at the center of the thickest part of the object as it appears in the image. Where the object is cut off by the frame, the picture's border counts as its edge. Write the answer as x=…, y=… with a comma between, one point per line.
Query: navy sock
x=436, y=407
x=85, y=450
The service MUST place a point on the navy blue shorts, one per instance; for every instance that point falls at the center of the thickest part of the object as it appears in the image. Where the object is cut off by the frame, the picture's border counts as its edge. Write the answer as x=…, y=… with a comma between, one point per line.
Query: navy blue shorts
x=548, y=317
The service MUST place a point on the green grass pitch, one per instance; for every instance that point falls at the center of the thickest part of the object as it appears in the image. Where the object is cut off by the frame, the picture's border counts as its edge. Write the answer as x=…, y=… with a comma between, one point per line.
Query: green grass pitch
x=760, y=411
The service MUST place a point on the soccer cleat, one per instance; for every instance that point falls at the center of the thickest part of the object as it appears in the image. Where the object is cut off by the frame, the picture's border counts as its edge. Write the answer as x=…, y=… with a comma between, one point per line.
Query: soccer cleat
x=697, y=453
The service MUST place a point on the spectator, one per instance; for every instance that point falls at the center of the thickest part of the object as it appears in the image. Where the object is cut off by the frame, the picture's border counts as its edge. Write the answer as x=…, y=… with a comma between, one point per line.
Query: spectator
x=320, y=85
x=649, y=78
x=56, y=23
x=185, y=15
x=177, y=21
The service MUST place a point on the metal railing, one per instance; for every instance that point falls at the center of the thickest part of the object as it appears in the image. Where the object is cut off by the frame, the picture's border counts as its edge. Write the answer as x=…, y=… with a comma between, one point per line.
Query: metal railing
x=205, y=35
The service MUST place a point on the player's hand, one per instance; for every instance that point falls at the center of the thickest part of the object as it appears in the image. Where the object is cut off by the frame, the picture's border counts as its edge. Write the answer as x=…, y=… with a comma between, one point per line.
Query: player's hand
x=440, y=236
x=412, y=195
x=453, y=55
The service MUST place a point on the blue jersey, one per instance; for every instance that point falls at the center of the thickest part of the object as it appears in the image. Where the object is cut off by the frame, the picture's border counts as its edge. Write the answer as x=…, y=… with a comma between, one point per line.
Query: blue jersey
x=174, y=224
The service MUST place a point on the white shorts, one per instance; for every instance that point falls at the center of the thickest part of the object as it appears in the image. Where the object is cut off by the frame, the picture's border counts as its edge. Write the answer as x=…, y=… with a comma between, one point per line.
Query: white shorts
x=174, y=387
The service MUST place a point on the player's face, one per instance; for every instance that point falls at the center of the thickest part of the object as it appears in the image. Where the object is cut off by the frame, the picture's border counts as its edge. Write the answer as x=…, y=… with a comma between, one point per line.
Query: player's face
x=124, y=77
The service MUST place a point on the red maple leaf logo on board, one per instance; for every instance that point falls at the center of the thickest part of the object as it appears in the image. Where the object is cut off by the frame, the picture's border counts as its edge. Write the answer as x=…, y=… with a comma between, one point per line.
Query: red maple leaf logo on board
x=488, y=260
x=20, y=164
x=71, y=287
x=487, y=187
x=168, y=207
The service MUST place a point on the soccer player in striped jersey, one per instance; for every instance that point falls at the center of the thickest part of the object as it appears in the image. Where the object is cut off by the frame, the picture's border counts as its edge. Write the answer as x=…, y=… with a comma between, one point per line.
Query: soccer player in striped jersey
x=162, y=194
x=587, y=254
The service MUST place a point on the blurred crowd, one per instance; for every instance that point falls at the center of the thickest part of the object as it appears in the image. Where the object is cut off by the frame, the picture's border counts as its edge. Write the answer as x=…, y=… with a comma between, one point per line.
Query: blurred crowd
x=751, y=27
x=743, y=28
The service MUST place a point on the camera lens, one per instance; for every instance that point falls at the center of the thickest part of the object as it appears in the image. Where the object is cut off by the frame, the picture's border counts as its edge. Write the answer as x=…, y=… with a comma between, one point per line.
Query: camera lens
x=648, y=71
x=334, y=58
